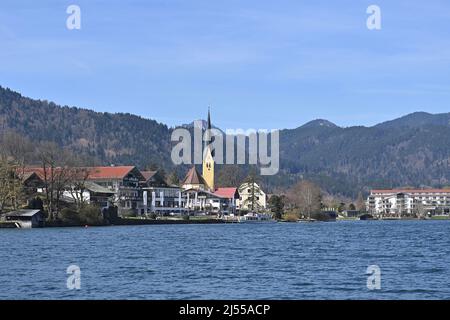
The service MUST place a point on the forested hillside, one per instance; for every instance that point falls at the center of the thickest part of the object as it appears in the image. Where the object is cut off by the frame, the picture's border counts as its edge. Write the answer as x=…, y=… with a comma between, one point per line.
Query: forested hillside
x=410, y=151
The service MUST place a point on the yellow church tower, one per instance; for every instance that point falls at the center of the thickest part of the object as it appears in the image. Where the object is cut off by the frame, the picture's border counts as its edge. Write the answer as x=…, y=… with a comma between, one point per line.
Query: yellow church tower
x=208, y=160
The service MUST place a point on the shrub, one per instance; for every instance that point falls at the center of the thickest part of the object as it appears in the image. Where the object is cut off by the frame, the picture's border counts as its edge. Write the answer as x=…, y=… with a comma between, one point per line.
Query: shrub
x=110, y=214
x=91, y=215
x=290, y=217
x=128, y=213
x=70, y=216
x=36, y=203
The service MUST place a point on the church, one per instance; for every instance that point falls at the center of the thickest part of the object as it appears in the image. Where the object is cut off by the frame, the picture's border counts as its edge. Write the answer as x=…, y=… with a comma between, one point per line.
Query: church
x=199, y=190
x=201, y=194
x=204, y=181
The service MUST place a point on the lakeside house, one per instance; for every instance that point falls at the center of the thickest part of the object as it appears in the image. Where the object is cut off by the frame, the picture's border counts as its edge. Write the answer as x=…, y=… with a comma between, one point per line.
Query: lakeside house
x=419, y=202
x=230, y=196
x=91, y=193
x=124, y=181
x=251, y=194
x=26, y=218
x=199, y=196
x=160, y=197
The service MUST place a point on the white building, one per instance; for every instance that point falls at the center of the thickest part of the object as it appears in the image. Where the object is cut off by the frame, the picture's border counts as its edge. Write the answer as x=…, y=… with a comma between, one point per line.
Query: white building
x=251, y=194
x=398, y=202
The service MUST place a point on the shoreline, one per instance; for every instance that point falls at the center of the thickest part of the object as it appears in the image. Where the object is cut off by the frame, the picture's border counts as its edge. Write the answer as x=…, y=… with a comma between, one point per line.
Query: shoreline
x=141, y=222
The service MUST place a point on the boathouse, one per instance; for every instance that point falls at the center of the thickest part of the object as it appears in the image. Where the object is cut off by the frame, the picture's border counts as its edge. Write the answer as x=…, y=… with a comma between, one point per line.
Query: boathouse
x=27, y=218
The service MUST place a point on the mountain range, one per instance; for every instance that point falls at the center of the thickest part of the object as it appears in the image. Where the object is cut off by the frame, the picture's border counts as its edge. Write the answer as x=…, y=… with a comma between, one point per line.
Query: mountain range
x=413, y=150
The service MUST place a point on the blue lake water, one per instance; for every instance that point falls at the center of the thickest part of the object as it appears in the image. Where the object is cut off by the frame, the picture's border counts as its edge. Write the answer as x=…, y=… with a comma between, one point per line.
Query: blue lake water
x=238, y=261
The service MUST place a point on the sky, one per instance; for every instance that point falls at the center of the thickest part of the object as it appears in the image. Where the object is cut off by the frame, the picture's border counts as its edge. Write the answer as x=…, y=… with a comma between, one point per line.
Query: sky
x=258, y=64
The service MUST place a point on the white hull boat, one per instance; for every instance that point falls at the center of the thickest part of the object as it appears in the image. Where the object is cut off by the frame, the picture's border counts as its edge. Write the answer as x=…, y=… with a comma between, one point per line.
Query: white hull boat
x=257, y=218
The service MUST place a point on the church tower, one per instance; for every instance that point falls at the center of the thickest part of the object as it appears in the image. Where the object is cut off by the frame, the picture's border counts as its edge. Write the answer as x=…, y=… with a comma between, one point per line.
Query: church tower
x=208, y=160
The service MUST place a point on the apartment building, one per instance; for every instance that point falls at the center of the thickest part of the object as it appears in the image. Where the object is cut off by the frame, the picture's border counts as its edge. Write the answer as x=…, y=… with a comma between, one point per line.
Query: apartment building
x=414, y=202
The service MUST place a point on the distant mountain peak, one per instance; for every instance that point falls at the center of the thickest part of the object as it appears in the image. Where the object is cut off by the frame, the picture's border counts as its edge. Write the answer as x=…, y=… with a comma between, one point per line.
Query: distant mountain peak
x=319, y=123
x=418, y=119
x=199, y=123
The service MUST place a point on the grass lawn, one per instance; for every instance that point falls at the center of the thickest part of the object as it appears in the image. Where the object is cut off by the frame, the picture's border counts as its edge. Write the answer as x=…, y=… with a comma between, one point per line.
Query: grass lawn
x=440, y=218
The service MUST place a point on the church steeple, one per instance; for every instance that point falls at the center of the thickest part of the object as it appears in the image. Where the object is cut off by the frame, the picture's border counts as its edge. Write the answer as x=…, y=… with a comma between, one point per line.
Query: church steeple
x=209, y=118
x=208, y=160
x=208, y=130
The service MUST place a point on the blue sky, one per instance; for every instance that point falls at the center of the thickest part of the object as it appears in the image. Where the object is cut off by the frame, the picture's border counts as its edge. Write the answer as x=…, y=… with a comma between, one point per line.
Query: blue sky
x=260, y=64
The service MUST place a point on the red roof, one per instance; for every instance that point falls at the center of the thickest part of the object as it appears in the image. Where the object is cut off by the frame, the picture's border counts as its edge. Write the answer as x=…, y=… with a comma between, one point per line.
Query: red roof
x=148, y=174
x=411, y=191
x=31, y=170
x=228, y=193
x=39, y=171
x=118, y=172
x=95, y=173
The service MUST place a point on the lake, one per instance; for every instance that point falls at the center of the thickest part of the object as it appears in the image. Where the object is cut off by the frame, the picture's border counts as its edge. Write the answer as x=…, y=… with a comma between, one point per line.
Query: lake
x=229, y=261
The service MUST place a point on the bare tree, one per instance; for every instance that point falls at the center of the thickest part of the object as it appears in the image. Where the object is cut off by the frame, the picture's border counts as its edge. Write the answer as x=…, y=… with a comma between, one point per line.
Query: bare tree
x=360, y=203
x=77, y=186
x=57, y=175
x=419, y=209
x=10, y=185
x=306, y=196
x=48, y=154
x=15, y=150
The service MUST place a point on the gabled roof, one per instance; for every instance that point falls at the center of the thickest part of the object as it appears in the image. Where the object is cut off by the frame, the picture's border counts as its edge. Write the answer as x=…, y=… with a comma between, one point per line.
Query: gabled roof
x=112, y=172
x=153, y=179
x=95, y=173
x=228, y=193
x=23, y=213
x=148, y=174
x=202, y=192
x=93, y=187
x=30, y=174
x=194, y=177
x=29, y=171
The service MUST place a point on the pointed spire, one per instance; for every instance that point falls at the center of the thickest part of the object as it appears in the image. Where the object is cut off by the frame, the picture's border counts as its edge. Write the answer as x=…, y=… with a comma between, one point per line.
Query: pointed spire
x=209, y=117
x=208, y=129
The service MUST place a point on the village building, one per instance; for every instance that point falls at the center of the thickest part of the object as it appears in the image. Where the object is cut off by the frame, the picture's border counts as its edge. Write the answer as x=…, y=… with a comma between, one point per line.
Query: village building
x=398, y=202
x=228, y=198
x=160, y=197
x=125, y=182
x=251, y=197
x=91, y=193
x=194, y=180
x=26, y=218
x=32, y=183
